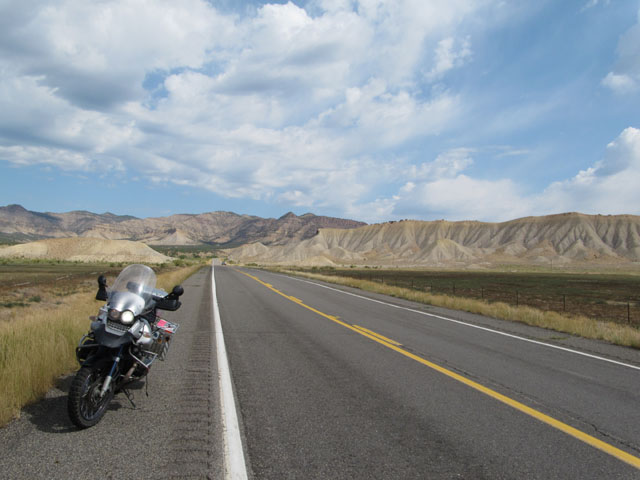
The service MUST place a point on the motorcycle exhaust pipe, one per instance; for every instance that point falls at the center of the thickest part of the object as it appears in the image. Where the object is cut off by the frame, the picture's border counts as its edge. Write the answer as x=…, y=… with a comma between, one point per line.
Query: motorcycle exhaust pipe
x=128, y=375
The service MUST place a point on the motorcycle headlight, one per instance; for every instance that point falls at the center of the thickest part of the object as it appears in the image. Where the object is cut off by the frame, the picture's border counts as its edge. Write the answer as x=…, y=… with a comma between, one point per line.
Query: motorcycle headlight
x=114, y=314
x=127, y=317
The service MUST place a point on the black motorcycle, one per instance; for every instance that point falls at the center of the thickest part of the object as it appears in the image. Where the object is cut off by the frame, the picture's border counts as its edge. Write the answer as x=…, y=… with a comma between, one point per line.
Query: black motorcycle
x=125, y=339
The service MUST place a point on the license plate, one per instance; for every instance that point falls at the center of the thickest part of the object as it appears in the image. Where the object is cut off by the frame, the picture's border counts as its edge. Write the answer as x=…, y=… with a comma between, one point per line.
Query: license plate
x=167, y=326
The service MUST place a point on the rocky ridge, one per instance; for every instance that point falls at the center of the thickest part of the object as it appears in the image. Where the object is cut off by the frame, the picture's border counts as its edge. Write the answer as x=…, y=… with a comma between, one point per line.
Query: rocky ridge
x=219, y=228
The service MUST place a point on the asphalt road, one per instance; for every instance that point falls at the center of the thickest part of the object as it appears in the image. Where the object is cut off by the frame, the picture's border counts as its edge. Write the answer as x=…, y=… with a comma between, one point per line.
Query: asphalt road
x=329, y=384
x=321, y=399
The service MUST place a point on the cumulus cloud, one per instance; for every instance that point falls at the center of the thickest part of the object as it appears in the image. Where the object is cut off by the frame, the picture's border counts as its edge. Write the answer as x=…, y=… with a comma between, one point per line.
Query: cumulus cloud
x=442, y=189
x=96, y=54
x=449, y=54
x=446, y=165
x=625, y=77
x=620, y=83
x=609, y=186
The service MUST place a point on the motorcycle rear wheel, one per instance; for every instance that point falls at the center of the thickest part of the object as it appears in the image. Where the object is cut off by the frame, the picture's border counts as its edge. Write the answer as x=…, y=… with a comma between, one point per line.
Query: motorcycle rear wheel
x=85, y=406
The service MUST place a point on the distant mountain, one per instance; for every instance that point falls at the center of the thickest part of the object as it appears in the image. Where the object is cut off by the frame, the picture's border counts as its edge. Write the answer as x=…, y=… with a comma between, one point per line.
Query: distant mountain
x=219, y=228
x=556, y=239
x=20, y=224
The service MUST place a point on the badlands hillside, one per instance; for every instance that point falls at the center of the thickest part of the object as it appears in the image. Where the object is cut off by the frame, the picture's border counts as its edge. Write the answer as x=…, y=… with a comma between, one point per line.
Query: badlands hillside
x=86, y=250
x=560, y=239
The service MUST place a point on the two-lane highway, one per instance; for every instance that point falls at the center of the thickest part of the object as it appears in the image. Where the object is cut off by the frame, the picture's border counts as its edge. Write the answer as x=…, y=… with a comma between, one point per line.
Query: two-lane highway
x=333, y=385
x=331, y=382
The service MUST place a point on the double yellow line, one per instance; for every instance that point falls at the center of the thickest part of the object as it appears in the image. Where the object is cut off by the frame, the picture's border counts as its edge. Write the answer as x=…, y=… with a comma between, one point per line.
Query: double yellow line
x=393, y=345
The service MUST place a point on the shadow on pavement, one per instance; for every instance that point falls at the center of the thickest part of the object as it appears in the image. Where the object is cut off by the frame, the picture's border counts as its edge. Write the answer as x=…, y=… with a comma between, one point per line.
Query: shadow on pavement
x=50, y=414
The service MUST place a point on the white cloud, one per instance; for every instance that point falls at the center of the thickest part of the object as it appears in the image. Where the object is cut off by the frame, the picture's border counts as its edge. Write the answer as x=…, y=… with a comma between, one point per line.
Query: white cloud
x=440, y=189
x=446, y=165
x=463, y=198
x=377, y=117
x=447, y=57
x=625, y=78
x=621, y=83
x=96, y=54
x=608, y=187
x=36, y=120
x=66, y=160
x=593, y=3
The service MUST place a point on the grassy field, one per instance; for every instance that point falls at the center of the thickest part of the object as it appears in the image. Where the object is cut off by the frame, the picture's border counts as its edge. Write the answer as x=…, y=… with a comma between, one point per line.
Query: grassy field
x=580, y=325
x=25, y=283
x=187, y=251
x=44, y=283
x=38, y=339
x=606, y=296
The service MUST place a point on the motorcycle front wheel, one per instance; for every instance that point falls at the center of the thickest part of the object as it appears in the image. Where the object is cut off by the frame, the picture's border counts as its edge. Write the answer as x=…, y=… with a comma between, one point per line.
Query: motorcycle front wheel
x=86, y=407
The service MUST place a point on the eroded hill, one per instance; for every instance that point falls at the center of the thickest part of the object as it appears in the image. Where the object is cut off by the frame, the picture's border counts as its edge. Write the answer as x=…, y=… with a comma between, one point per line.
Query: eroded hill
x=564, y=238
x=85, y=250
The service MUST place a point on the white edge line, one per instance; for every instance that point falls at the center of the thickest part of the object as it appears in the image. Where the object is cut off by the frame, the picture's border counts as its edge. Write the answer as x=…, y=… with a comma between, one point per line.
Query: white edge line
x=577, y=352
x=235, y=467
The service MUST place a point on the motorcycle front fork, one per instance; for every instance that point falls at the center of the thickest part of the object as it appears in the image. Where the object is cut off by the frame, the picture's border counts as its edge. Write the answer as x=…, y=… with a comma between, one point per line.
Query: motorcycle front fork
x=107, y=381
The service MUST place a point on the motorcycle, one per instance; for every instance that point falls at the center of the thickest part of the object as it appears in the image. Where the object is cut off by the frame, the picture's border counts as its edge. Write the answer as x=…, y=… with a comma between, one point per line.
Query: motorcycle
x=124, y=340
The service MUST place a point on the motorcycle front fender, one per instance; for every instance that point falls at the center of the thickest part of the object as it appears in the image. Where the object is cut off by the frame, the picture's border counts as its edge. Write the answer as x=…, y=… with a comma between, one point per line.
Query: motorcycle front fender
x=110, y=340
x=101, y=359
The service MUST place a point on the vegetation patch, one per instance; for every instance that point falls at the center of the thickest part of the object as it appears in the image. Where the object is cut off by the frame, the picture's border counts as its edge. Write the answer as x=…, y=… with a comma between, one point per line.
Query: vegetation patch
x=187, y=251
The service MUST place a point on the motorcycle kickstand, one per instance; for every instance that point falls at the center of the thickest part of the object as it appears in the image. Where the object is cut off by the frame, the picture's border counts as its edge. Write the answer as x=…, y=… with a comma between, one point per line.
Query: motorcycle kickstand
x=129, y=396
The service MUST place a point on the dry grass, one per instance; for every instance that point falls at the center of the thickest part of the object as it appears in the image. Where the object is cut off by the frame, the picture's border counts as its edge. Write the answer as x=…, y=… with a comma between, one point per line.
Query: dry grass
x=573, y=324
x=168, y=280
x=38, y=345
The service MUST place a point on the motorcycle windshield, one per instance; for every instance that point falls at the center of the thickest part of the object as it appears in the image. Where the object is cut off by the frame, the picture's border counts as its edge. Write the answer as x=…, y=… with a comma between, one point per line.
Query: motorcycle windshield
x=137, y=279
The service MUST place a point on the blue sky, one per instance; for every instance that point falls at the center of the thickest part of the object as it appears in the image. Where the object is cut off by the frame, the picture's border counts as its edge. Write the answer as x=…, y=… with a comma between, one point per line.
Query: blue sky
x=374, y=110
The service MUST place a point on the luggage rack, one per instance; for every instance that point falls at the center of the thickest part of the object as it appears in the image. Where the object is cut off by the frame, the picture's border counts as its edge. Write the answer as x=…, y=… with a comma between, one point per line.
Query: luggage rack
x=162, y=333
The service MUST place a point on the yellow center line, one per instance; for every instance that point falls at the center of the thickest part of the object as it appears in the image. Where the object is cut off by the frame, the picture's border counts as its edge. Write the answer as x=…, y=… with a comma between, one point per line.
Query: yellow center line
x=563, y=427
x=381, y=337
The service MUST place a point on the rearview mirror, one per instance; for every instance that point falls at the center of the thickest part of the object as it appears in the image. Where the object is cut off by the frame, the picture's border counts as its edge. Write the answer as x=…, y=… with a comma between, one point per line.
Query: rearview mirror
x=102, y=289
x=177, y=291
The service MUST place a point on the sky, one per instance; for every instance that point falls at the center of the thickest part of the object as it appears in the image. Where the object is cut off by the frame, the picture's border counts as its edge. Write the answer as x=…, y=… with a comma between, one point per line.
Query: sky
x=373, y=110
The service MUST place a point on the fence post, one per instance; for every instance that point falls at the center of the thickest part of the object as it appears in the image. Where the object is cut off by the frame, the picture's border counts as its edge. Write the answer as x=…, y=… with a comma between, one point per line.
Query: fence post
x=629, y=311
x=482, y=293
x=564, y=303
x=517, y=299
